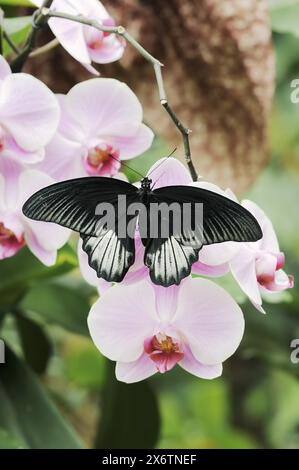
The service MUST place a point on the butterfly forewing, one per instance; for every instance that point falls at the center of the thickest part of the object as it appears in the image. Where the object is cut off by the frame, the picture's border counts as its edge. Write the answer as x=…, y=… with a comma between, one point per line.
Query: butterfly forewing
x=73, y=203
x=223, y=219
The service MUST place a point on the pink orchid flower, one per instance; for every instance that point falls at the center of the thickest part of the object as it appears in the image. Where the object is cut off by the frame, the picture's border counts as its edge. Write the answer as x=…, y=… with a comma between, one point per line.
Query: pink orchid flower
x=16, y=230
x=148, y=329
x=29, y=115
x=258, y=266
x=86, y=44
x=101, y=125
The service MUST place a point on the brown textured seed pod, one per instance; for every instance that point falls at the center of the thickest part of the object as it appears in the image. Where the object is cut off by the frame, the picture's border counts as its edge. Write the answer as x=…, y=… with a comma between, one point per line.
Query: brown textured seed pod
x=219, y=76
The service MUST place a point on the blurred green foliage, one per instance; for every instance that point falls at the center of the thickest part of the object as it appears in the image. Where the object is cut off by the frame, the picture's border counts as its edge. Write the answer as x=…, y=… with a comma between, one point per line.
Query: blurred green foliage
x=57, y=391
x=17, y=3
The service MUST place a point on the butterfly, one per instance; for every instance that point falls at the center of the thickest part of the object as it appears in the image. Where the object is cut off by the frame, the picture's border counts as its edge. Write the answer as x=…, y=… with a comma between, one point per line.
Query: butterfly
x=73, y=204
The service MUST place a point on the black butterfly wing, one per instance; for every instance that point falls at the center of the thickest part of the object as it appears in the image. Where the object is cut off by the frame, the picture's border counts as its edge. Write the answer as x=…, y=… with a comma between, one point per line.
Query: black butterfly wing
x=73, y=204
x=111, y=254
x=170, y=258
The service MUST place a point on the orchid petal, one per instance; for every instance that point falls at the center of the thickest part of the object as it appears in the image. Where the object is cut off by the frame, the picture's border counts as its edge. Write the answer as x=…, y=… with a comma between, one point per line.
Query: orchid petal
x=131, y=146
x=191, y=365
x=169, y=172
x=4, y=68
x=26, y=104
x=269, y=241
x=114, y=102
x=207, y=270
x=119, y=326
x=130, y=372
x=166, y=302
x=210, y=320
x=244, y=271
x=71, y=36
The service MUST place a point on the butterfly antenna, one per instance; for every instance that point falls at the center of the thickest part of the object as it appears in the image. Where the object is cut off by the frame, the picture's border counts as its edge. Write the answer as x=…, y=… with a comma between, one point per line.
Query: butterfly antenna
x=127, y=166
x=161, y=163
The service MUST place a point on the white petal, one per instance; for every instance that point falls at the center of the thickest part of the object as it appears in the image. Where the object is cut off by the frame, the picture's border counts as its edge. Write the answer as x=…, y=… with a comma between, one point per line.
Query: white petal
x=28, y=110
x=121, y=320
x=210, y=320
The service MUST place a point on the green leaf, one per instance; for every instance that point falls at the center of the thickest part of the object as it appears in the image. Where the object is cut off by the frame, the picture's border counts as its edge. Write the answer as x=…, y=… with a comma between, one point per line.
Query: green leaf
x=8, y=441
x=19, y=272
x=130, y=416
x=84, y=366
x=285, y=16
x=35, y=342
x=59, y=304
x=18, y=29
x=14, y=3
x=273, y=404
x=268, y=339
x=28, y=413
x=196, y=415
x=13, y=25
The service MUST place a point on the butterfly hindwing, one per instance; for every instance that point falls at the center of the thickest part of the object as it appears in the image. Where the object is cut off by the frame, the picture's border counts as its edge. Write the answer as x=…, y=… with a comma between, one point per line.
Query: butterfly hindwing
x=110, y=256
x=168, y=260
x=111, y=253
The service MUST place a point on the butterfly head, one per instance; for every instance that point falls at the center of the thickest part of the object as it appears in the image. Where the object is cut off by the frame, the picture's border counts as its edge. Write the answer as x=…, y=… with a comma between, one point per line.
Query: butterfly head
x=146, y=184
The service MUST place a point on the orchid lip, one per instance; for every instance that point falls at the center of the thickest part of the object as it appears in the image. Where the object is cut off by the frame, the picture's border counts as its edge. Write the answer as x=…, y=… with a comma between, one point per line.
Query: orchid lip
x=102, y=160
x=164, y=351
x=10, y=244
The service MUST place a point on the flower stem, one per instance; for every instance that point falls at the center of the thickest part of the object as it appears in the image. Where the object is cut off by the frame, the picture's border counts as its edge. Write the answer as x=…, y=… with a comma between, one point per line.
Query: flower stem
x=38, y=21
x=46, y=48
x=11, y=43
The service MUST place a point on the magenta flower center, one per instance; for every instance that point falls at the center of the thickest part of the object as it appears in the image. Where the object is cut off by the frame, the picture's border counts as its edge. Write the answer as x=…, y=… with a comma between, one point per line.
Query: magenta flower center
x=9, y=243
x=103, y=160
x=265, y=276
x=5, y=233
x=98, y=42
x=164, y=350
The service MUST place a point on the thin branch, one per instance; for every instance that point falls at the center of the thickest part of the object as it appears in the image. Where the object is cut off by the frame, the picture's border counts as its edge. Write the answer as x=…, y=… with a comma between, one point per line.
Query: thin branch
x=38, y=21
x=157, y=65
x=11, y=43
x=44, y=49
x=185, y=131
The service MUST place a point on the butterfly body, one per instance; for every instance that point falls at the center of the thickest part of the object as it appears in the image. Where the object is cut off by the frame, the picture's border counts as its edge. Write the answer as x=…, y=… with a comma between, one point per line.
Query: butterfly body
x=111, y=250
x=145, y=190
